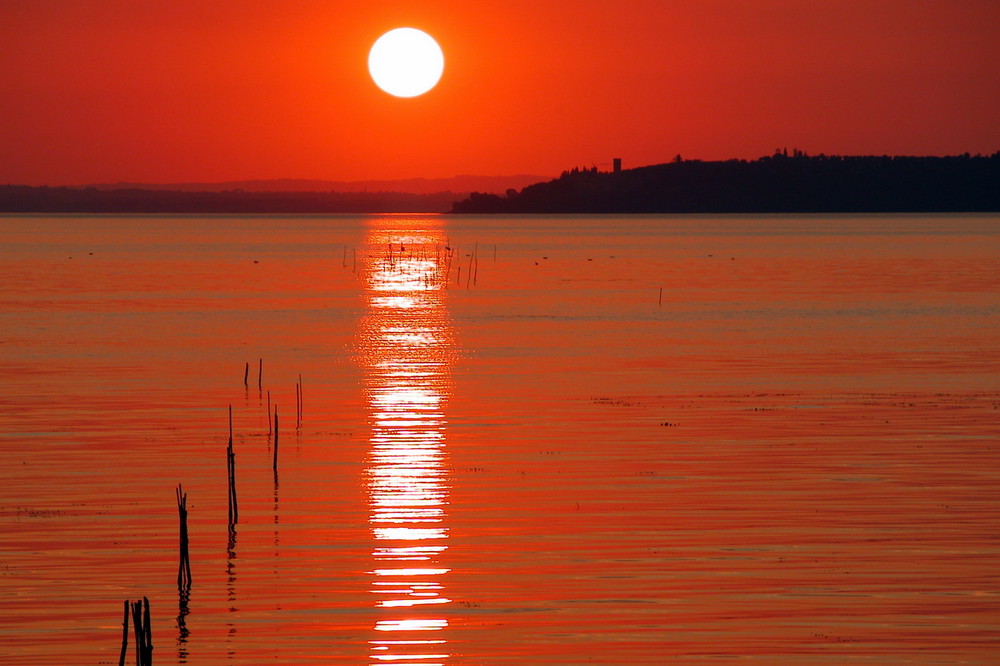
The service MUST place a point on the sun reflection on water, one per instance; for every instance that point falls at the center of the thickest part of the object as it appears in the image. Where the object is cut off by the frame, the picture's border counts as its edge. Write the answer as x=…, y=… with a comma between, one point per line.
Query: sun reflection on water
x=407, y=351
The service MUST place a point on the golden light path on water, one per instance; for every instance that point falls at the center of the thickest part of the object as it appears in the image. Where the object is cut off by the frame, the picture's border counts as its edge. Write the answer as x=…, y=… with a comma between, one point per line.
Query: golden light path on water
x=406, y=347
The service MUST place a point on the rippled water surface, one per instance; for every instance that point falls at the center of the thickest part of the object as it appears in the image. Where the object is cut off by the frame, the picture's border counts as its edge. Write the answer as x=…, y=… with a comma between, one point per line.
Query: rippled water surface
x=547, y=440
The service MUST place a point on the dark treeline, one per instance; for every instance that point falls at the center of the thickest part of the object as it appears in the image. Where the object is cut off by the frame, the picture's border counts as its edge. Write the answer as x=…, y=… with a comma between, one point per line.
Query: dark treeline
x=772, y=184
x=24, y=199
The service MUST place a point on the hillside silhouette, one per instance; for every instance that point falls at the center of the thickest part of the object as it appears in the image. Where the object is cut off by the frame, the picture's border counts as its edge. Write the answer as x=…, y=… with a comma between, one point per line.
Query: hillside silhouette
x=461, y=185
x=777, y=183
x=25, y=199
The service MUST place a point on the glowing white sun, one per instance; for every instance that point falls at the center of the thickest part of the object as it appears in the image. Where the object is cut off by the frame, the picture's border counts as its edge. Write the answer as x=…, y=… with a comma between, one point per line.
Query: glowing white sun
x=406, y=62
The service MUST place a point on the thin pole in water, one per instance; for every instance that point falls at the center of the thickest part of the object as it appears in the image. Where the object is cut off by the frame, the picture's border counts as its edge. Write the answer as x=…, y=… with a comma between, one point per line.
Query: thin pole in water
x=184, y=568
x=234, y=513
x=121, y=657
x=143, y=632
x=274, y=464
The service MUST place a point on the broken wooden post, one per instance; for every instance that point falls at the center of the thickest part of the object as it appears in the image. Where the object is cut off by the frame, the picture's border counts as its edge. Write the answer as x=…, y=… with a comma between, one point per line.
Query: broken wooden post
x=184, y=568
x=231, y=473
x=143, y=632
x=121, y=657
x=274, y=464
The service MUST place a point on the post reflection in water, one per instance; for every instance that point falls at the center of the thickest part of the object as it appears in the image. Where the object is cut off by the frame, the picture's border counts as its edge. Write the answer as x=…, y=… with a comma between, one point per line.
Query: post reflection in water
x=407, y=354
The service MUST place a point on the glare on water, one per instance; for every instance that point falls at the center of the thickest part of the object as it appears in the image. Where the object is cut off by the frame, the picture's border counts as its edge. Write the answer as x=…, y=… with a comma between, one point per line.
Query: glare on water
x=407, y=355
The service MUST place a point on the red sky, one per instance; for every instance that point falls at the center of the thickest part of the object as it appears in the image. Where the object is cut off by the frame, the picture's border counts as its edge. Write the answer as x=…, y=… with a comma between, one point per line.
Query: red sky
x=213, y=90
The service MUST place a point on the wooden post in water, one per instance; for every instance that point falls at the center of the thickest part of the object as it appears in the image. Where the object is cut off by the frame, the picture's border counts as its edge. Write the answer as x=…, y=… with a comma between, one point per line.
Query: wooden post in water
x=140, y=635
x=475, y=256
x=234, y=512
x=184, y=568
x=121, y=657
x=274, y=464
x=147, y=630
x=246, y=375
x=660, y=302
x=143, y=632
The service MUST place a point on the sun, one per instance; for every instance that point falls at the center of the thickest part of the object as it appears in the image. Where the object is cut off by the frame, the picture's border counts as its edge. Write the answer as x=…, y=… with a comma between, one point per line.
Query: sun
x=406, y=62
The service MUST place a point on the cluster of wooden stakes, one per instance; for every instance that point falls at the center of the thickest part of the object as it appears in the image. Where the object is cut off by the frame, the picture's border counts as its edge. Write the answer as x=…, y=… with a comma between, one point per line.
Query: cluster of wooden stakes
x=138, y=611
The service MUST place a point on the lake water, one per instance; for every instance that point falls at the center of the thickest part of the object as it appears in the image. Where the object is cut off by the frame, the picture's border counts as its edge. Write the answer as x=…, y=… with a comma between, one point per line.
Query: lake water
x=554, y=440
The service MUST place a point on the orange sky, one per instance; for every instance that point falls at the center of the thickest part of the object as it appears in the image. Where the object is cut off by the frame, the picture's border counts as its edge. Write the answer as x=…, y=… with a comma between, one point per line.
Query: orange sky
x=177, y=90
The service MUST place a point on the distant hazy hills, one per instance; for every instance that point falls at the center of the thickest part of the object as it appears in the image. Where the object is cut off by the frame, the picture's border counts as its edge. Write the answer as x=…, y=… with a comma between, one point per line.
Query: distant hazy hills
x=462, y=185
x=415, y=195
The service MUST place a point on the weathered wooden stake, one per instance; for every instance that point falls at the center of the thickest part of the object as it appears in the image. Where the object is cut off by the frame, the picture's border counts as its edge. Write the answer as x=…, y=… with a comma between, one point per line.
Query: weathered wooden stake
x=143, y=632
x=246, y=374
x=121, y=657
x=234, y=512
x=660, y=302
x=184, y=568
x=475, y=256
x=274, y=464
x=147, y=627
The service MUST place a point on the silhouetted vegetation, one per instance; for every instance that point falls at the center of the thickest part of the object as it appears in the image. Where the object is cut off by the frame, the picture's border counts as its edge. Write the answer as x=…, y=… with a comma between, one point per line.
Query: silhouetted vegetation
x=773, y=184
x=24, y=199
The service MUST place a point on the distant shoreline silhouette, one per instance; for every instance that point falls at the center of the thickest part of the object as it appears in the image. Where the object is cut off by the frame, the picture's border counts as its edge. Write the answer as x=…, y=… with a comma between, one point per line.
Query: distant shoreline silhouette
x=777, y=183
x=26, y=199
